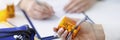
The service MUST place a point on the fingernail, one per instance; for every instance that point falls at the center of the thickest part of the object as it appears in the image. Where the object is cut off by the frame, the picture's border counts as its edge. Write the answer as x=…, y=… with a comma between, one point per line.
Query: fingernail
x=66, y=31
x=61, y=29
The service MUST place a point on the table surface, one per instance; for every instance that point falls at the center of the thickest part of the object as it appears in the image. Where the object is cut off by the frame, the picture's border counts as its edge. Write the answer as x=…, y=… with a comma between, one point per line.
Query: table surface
x=103, y=12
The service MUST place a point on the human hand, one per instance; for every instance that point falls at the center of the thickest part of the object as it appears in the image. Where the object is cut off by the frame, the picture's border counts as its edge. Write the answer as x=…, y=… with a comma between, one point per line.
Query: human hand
x=87, y=32
x=36, y=10
x=77, y=6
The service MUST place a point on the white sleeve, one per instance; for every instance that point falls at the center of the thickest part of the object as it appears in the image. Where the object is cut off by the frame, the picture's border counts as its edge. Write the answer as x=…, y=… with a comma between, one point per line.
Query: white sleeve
x=7, y=2
x=4, y=3
x=15, y=2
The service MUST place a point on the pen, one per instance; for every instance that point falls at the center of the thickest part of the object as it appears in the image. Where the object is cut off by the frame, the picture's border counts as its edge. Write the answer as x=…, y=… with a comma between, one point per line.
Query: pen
x=88, y=18
x=77, y=25
x=31, y=24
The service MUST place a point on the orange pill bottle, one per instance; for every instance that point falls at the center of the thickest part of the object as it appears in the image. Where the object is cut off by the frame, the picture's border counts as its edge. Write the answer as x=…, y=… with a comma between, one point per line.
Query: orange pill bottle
x=69, y=24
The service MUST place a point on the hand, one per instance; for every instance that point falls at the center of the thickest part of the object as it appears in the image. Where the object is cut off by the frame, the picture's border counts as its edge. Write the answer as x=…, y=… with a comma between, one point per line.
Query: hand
x=87, y=32
x=37, y=10
x=77, y=6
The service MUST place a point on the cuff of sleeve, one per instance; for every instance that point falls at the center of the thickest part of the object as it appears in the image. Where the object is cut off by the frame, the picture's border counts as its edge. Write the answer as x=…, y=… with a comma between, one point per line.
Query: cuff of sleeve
x=16, y=2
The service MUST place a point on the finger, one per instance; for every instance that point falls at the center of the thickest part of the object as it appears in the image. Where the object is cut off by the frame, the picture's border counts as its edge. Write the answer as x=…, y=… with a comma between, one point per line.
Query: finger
x=73, y=5
x=31, y=14
x=87, y=6
x=84, y=8
x=37, y=14
x=51, y=11
x=60, y=31
x=79, y=7
x=70, y=37
x=43, y=7
x=69, y=4
x=49, y=7
x=38, y=8
x=46, y=16
x=45, y=12
x=64, y=35
x=41, y=15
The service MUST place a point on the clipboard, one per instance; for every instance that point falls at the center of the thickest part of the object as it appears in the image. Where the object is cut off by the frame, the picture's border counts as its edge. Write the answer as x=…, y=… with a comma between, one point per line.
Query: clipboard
x=52, y=36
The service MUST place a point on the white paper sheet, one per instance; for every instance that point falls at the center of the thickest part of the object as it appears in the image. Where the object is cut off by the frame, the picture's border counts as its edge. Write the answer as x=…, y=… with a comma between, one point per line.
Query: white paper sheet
x=45, y=27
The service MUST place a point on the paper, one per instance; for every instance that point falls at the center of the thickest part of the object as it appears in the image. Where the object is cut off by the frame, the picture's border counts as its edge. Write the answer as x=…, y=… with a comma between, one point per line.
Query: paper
x=45, y=27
